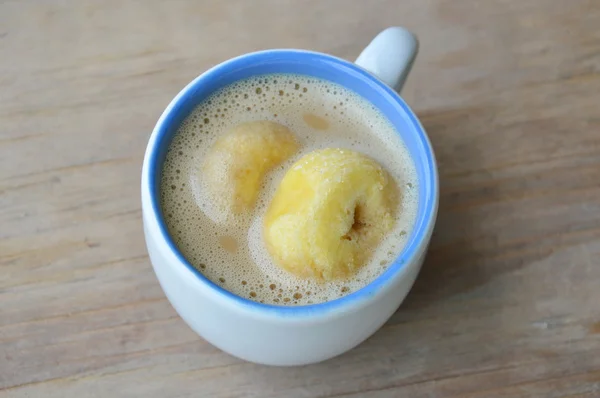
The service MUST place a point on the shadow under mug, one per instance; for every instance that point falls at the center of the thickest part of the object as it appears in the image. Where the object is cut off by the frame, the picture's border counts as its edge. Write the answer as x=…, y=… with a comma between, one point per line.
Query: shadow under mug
x=294, y=335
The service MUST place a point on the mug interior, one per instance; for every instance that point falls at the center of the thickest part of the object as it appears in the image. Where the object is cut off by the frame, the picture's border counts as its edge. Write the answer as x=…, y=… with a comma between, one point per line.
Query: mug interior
x=324, y=67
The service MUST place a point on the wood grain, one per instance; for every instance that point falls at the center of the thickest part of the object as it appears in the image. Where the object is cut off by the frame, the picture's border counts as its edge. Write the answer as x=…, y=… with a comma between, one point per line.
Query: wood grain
x=508, y=303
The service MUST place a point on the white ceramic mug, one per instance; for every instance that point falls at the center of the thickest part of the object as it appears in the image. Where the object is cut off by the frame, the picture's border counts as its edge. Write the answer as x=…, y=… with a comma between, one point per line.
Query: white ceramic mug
x=295, y=335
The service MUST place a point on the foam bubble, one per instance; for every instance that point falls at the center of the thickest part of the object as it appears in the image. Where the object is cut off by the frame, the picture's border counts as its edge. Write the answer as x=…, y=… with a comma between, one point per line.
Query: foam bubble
x=231, y=253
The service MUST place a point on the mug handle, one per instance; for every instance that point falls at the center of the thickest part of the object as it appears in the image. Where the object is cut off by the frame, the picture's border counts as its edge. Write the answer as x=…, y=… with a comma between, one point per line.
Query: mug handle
x=390, y=56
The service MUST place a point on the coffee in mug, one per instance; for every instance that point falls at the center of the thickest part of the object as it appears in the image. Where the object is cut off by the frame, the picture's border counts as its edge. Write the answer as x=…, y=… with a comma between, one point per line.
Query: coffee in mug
x=302, y=116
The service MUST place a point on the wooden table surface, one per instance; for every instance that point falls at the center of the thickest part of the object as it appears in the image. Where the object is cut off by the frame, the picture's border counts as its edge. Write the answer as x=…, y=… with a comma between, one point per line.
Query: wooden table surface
x=508, y=302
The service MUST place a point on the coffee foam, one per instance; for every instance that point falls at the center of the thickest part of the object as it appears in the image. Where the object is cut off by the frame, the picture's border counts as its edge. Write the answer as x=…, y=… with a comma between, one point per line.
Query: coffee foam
x=231, y=252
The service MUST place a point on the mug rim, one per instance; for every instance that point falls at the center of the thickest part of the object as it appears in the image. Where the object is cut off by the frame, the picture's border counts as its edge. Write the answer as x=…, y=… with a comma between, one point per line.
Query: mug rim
x=407, y=256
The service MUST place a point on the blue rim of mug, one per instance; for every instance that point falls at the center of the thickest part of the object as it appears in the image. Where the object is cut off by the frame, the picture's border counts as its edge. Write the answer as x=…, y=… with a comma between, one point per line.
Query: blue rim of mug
x=418, y=236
